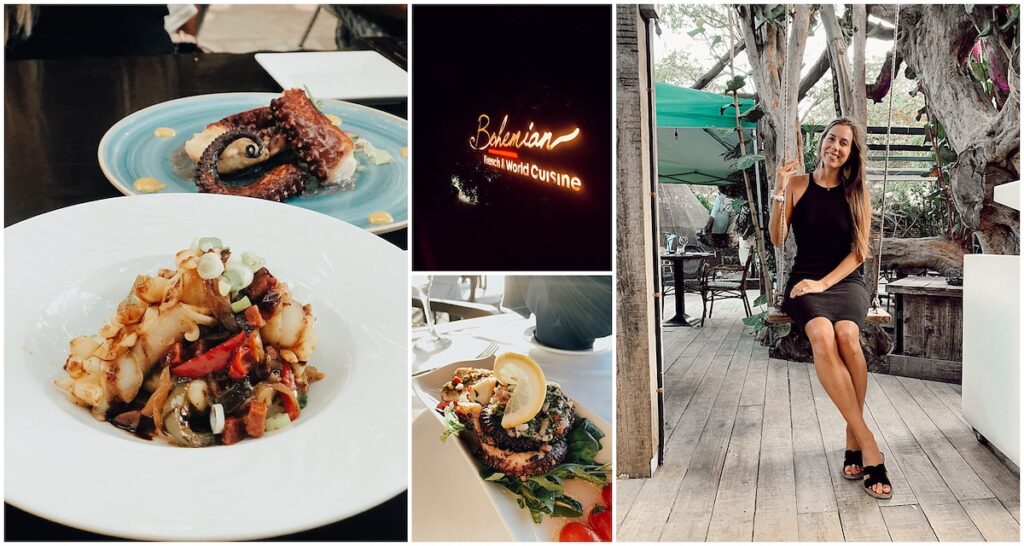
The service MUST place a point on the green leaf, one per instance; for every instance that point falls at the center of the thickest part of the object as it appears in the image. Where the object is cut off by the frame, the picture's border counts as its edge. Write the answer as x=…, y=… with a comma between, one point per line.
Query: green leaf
x=567, y=507
x=735, y=84
x=737, y=205
x=694, y=32
x=748, y=161
x=584, y=442
x=497, y=476
x=761, y=300
x=782, y=330
x=752, y=320
x=968, y=8
x=754, y=114
x=452, y=425
x=716, y=40
x=986, y=31
x=722, y=110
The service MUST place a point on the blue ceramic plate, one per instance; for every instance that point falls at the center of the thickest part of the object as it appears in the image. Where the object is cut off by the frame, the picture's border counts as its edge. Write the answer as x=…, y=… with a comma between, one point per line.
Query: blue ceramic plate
x=130, y=151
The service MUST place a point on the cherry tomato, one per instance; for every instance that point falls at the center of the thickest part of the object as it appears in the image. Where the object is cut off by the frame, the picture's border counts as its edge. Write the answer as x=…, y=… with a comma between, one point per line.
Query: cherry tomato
x=600, y=519
x=575, y=531
x=606, y=494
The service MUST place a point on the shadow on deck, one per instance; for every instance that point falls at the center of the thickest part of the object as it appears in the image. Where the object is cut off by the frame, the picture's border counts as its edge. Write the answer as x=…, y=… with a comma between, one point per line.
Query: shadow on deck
x=754, y=448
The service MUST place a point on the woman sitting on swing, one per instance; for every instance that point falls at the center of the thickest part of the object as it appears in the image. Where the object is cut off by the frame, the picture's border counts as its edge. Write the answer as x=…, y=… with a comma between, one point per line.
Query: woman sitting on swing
x=830, y=212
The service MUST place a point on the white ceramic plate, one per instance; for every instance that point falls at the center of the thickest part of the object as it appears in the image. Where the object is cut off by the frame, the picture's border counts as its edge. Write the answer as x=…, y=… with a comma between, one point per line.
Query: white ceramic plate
x=65, y=273
x=601, y=344
x=519, y=525
x=337, y=74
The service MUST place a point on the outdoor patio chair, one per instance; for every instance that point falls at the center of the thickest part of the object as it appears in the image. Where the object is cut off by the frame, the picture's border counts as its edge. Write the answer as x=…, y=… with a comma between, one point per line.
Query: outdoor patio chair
x=726, y=281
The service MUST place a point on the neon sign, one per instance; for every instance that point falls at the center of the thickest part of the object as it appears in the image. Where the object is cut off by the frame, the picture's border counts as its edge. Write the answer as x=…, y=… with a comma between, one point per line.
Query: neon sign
x=501, y=151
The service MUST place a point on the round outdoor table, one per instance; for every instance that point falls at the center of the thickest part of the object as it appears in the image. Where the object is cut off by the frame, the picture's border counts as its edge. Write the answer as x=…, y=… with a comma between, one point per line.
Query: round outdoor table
x=56, y=113
x=681, y=318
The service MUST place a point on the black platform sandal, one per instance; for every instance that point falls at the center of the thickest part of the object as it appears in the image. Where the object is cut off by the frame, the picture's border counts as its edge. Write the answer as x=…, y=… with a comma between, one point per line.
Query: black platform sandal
x=853, y=457
x=874, y=475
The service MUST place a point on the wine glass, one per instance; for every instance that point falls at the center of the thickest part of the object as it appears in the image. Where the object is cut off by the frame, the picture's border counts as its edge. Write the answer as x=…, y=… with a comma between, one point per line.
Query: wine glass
x=432, y=342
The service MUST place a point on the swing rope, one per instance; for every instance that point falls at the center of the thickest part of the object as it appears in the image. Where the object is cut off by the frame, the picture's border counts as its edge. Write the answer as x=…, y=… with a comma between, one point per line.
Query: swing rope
x=885, y=173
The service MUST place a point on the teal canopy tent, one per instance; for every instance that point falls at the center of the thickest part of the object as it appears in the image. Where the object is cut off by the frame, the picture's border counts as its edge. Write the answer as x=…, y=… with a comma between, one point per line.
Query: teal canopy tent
x=693, y=133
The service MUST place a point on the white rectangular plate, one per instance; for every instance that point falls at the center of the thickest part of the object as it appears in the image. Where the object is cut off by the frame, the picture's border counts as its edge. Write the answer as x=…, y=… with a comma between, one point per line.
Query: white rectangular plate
x=337, y=74
x=518, y=522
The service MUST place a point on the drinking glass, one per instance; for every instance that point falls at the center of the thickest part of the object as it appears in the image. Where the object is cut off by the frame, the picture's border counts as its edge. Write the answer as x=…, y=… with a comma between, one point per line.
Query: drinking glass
x=432, y=342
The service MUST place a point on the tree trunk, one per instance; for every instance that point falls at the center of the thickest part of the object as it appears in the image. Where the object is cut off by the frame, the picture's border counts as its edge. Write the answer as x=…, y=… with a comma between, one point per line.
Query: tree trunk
x=778, y=82
x=934, y=41
x=925, y=253
x=849, y=79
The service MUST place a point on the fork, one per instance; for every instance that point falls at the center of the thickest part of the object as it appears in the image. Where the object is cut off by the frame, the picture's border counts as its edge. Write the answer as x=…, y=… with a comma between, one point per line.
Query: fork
x=490, y=350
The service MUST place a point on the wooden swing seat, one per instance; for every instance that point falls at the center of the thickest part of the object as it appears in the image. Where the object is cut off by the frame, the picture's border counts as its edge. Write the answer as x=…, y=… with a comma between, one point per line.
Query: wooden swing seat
x=876, y=315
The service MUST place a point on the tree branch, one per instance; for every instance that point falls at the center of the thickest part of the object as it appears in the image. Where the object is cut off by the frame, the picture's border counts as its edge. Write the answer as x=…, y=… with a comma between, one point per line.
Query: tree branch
x=715, y=70
x=877, y=90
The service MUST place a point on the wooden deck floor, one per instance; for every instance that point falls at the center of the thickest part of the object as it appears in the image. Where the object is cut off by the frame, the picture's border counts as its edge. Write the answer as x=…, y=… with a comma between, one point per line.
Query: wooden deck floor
x=754, y=448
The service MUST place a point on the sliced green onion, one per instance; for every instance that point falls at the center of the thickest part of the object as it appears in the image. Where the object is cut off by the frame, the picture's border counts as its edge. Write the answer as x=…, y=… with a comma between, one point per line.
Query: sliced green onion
x=217, y=418
x=208, y=243
x=252, y=260
x=239, y=276
x=210, y=266
x=241, y=305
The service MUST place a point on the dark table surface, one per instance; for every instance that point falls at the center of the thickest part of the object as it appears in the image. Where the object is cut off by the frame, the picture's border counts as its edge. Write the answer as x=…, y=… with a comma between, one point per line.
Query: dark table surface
x=55, y=113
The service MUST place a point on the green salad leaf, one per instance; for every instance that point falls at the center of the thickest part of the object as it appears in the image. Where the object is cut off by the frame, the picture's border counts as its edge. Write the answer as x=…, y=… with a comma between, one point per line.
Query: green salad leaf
x=545, y=494
x=452, y=425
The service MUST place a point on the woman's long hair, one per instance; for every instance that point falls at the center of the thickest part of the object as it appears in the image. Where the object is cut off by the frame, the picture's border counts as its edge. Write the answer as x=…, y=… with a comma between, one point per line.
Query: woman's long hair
x=853, y=177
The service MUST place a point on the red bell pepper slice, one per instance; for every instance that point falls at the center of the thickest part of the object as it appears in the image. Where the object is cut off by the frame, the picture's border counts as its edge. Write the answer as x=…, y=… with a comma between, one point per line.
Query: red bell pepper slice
x=291, y=406
x=241, y=358
x=214, y=360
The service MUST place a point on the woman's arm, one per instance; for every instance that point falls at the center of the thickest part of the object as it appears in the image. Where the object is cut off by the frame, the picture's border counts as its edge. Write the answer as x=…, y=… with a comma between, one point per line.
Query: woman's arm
x=778, y=229
x=810, y=286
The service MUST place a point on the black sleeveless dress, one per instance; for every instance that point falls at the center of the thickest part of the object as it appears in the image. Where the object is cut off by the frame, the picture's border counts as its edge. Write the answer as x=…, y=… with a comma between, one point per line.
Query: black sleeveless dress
x=823, y=228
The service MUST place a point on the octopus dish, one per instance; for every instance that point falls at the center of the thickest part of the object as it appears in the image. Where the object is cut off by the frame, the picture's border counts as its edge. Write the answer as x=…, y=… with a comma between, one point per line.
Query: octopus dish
x=290, y=123
x=525, y=431
x=210, y=352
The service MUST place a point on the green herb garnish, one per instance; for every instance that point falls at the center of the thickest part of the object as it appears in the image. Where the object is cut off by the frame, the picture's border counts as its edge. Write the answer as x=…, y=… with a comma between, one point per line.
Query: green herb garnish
x=452, y=425
x=545, y=494
x=303, y=399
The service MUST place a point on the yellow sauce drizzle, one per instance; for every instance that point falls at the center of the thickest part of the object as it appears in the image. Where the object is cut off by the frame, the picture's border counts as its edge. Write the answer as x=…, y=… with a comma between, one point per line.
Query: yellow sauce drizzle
x=404, y=152
x=380, y=218
x=148, y=185
x=334, y=119
x=164, y=132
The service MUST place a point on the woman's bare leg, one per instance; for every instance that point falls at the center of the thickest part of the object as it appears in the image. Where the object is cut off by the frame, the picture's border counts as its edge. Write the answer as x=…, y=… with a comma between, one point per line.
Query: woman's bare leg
x=848, y=343
x=838, y=383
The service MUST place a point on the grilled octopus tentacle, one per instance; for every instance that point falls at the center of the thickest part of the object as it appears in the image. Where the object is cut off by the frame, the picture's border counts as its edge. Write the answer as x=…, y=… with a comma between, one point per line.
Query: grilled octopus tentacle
x=279, y=184
x=259, y=120
x=328, y=151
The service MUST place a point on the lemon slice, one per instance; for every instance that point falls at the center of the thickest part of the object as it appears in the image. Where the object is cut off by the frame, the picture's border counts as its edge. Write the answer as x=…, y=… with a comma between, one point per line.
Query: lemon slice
x=528, y=397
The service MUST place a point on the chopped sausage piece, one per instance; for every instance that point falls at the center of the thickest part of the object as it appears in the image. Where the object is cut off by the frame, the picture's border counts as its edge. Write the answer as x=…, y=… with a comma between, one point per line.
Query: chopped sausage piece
x=233, y=431
x=256, y=419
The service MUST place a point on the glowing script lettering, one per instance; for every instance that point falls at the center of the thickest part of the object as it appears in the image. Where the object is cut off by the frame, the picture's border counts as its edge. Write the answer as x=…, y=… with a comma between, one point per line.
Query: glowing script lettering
x=501, y=151
x=530, y=138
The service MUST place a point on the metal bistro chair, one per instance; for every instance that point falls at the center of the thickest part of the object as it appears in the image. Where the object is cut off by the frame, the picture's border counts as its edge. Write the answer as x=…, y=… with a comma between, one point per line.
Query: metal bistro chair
x=694, y=270
x=720, y=282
